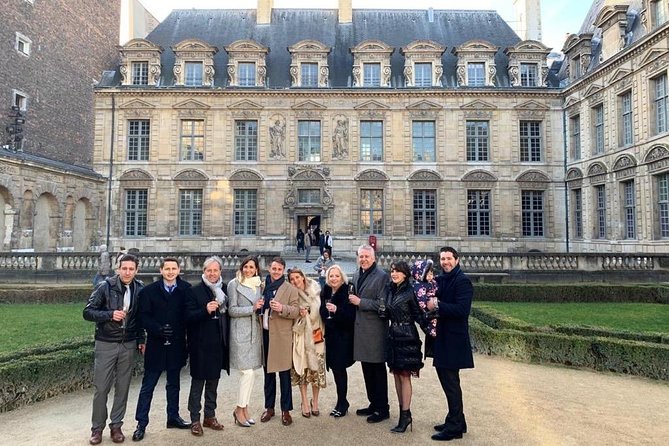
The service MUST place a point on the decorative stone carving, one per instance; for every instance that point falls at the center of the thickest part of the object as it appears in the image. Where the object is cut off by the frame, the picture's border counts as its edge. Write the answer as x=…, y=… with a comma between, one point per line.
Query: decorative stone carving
x=624, y=162
x=479, y=176
x=476, y=51
x=423, y=51
x=247, y=51
x=140, y=51
x=527, y=52
x=308, y=177
x=371, y=51
x=371, y=175
x=277, y=138
x=425, y=175
x=309, y=51
x=136, y=174
x=596, y=169
x=194, y=50
x=656, y=152
x=340, y=138
x=574, y=174
x=533, y=176
x=245, y=175
x=190, y=175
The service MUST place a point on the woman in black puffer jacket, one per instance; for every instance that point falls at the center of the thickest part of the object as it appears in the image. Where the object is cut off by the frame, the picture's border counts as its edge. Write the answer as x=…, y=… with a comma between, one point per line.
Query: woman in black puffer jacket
x=403, y=346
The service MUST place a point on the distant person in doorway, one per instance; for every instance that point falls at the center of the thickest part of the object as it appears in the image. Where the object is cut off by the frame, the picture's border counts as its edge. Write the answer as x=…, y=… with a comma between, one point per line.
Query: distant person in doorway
x=308, y=243
x=328, y=242
x=300, y=240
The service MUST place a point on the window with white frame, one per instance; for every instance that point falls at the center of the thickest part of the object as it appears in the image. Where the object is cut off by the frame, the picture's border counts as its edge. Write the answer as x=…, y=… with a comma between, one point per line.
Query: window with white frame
x=629, y=208
x=309, y=74
x=371, y=140
x=575, y=137
x=530, y=141
x=192, y=140
x=477, y=141
x=20, y=99
x=309, y=196
x=478, y=212
x=139, y=131
x=663, y=204
x=247, y=74
x=246, y=140
x=425, y=212
x=371, y=74
x=423, y=140
x=136, y=207
x=529, y=75
x=577, y=209
x=245, y=212
x=193, y=74
x=23, y=44
x=532, y=205
x=660, y=103
x=600, y=211
x=658, y=13
x=309, y=141
x=190, y=212
x=140, y=72
x=626, y=131
x=371, y=211
x=422, y=74
x=598, y=129
x=476, y=74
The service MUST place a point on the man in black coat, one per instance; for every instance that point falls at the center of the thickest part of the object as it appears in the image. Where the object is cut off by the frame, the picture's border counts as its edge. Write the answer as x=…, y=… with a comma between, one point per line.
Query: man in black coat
x=162, y=309
x=206, y=314
x=452, y=347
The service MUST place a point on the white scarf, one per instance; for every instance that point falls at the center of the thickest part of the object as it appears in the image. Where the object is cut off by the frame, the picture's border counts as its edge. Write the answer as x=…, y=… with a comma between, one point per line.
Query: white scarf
x=221, y=298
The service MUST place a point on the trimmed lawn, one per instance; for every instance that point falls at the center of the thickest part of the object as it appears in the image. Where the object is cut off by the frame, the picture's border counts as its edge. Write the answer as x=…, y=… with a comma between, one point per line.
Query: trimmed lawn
x=32, y=325
x=633, y=317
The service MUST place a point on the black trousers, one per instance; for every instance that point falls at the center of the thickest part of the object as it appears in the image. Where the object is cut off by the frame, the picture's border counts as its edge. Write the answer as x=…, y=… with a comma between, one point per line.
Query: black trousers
x=270, y=382
x=450, y=383
x=341, y=382
x=376, y=383
x=149, y=382
x=195, y=398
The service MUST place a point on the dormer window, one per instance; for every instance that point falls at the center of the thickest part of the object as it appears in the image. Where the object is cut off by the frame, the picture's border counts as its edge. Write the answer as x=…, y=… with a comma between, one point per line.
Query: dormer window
x=658, y=13
x=140, y=63
x=309, y=64
x=528, y=64
x=528, y=75
x=246, y=64
x=371, y=64
x=422, y=63
x=247, y=74
x=194, y=63
x=476, y=64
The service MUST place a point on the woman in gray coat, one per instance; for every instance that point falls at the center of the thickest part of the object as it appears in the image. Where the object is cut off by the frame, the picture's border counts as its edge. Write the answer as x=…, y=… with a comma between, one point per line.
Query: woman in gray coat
x=245, y=294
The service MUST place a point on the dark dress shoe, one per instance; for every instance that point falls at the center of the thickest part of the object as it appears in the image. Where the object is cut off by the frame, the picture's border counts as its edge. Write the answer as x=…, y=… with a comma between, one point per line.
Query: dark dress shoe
x=446, y=435
x=177, y=423
x=377, y=417
x=267, y=415
x=441, y=427
x=138, y=435
x=286, y=419
x=196, y=429
x=367, y=411
x=96, y=437
x=212, y=423
x=117, y=435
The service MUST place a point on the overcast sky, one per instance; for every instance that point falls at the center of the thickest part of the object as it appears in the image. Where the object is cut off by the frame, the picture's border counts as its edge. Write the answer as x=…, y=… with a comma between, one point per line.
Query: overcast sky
x=559, y=17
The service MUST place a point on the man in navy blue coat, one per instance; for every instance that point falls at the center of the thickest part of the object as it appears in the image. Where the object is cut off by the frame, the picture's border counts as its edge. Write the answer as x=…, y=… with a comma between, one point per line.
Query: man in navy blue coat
x=452, y=347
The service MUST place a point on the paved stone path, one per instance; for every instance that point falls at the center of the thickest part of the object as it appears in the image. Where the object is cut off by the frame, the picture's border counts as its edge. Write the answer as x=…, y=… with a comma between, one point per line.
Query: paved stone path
x=507, y=403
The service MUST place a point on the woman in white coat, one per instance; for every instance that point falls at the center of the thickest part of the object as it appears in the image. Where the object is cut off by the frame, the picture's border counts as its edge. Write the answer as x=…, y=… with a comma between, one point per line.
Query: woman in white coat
x=245, y=294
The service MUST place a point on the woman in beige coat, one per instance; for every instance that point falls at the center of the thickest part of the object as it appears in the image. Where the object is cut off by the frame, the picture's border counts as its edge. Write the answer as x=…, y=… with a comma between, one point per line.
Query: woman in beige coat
x=245, y=292
x=308, y=344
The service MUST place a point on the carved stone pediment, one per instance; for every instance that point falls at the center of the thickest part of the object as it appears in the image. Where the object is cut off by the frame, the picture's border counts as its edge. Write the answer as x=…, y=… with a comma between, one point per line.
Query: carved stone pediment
x=373, y=46
x=134, y=104
x=571, y=100
x=653, y=54
x=424, y=105
x=245, y=105
x=371, y=105
x=135, y=175
x=592, y=89
x=624, y=162
x=619, y=74
x=425, y=175
x=308, y=177
x=574, y=174
x=479, y=176
x=596, y=168
x=533, y=176
x=478, y=105
x=191, y=104
x=424, y=110
x=656, y=152
x=532, y=105
x=476, y=45
x=190, y=175
x=245, y=175
x=371, y=175
x=309, y=105
x=140, y=45
x=193, y=45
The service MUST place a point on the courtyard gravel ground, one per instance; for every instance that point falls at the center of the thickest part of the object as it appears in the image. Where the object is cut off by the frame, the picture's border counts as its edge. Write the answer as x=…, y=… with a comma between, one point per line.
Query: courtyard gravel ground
x=506, y=403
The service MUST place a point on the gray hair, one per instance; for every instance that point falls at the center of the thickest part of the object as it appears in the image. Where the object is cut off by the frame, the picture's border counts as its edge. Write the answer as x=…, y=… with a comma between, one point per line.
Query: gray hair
x=211, y=260
x=365, y=247
x=344, y=277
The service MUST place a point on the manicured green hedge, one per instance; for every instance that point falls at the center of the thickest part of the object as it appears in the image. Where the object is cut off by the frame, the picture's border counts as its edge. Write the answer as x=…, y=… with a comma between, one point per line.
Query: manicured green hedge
x=571, y=293
x=46, y=295
x=71, y=344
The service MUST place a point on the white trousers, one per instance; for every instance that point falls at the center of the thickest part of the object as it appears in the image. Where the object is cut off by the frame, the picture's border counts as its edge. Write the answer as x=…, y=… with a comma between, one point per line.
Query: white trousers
x=246, y=378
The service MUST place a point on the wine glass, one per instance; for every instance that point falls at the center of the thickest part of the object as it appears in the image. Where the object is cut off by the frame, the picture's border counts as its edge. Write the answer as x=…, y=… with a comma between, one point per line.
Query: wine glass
x=125, y=310
x=167, y=339
x=215, y=313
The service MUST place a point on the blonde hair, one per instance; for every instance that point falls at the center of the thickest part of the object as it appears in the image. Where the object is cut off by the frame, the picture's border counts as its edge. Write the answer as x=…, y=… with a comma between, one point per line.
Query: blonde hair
x=344, y=277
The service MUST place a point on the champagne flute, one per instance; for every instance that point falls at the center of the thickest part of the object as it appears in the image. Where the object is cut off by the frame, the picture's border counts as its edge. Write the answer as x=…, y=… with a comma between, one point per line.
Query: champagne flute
x=215, y=313
x=125, y=310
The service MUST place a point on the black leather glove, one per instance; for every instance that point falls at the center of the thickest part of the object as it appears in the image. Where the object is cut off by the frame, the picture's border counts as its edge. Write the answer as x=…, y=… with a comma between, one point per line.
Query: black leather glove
x=166, y=331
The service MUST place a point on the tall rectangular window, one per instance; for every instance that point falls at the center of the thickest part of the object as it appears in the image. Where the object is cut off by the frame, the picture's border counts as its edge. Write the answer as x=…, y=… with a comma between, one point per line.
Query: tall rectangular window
x=422, y=74
x=246, y=74
x=577, y=206
x=193, y=74
x=371, y=140
x=478, y=212
x=425, y=212
x=663, y=204
x=192, y=140
x=309, y=141
x=423, y=140
x=477, y=141
x=140, y=73
x=600, y=200
x=532, y=203
x=575, y=140
x=136, y=206
x=308, y=74
x=598, y=115
x=245, y=211
x=138, y=139
x=529, y=75
x=246, y=140
x=190, y=212
x=371, y=211
x=629, y=206
x=660, y=103
x=658, y=13
x=476, y=74
x=530, y=141
x=627, y=135
x=371, y=73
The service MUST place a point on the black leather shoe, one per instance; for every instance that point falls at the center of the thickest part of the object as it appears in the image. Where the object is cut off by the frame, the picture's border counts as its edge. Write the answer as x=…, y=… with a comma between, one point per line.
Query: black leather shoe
x=377, y=417
x=447, y=435
x=367, y=411
x=441, y=427
x=177, y=423
x=138, y=435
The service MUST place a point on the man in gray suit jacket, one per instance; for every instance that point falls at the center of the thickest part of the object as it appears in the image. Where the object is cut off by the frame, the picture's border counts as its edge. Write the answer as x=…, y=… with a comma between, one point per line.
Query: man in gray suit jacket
x=370, y=333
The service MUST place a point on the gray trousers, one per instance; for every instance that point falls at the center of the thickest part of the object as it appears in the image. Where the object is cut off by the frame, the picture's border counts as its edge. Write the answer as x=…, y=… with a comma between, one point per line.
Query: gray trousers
x=113, y=366
x=195, y=398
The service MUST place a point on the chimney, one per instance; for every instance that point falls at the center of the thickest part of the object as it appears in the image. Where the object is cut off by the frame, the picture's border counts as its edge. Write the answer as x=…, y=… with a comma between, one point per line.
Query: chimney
x=264, y=13
x=345, y=11
x=528, y=19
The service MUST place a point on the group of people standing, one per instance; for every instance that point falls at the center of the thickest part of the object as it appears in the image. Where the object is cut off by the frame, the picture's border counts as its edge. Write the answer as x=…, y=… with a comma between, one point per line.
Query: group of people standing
x=313, y=237
x=288, y=324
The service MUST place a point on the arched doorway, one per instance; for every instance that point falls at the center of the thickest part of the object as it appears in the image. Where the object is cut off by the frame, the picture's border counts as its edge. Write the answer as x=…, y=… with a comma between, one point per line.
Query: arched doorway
x=81, y=231
x=45, y=223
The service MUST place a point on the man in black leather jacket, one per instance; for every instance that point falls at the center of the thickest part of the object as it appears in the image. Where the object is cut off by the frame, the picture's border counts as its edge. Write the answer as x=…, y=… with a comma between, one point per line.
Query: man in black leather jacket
x=113, y=306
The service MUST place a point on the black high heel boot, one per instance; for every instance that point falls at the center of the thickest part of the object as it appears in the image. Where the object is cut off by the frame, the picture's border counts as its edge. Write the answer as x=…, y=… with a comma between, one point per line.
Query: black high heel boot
x=404, y=422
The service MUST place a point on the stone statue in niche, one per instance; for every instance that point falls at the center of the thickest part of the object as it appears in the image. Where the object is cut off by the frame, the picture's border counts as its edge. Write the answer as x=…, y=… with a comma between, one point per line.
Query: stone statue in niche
x=277, y=138
x=340, y=139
